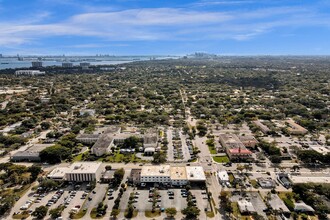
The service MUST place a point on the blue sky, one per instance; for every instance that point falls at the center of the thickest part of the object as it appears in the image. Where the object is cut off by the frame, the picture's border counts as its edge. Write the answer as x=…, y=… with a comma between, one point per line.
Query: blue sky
x=165, y=27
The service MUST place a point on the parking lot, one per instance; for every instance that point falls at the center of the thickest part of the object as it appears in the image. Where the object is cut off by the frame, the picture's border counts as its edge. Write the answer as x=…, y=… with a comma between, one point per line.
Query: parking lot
x=68, y=196
x=144, y=201
x=80, y=198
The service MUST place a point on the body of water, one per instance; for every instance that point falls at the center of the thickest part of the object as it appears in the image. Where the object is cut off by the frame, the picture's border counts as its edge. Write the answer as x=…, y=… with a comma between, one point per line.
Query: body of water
x=13, y=62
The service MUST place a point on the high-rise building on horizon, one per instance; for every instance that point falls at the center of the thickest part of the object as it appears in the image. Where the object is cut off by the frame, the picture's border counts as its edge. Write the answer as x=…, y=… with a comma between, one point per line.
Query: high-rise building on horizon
x=36, y=64
x=67, y=64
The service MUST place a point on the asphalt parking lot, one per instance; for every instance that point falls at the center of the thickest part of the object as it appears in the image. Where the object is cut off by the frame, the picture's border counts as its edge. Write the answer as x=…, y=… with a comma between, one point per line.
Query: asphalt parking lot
x=178, y=201
x=70, y=198
x=201, y=199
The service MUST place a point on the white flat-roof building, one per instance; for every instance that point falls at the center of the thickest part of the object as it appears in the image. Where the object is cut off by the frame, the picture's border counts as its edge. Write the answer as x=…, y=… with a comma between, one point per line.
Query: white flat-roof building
x=245, y=207
x=78, y=172
x=223, y=176
x=178, y=175
x=159, y=174
x=29, y=72
x=195, y=174
x=175, y=175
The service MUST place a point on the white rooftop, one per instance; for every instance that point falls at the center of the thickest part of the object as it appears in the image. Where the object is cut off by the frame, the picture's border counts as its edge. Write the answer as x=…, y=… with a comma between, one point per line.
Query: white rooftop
x=178, y=173
x=195, y=173
x=161, y=170
x=223, y=175
x=78, y=167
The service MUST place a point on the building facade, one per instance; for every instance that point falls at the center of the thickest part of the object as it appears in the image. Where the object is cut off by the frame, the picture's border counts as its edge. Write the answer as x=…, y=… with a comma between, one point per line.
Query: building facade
x=78, y=172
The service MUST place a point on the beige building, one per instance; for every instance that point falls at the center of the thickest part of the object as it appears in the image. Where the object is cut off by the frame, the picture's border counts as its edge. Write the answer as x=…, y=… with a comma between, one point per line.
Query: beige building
x=166, y=174
x=156, y=174
x=77, y=172
x=178, y=176
x=249, y=141
x=264, y=129
x=294, y=128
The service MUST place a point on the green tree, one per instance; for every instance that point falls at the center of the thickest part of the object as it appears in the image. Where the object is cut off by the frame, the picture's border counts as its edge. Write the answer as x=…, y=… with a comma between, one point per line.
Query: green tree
x=35, y=170
x=159, y=157
x=191, y=212
x=171, y=212
x=40, y=212
x=45, y=125
x=55, y=213
x=54, y=154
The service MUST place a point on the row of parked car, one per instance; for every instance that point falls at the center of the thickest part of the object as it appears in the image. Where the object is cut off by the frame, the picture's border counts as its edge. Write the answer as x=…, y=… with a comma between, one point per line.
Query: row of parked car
x=54, y=198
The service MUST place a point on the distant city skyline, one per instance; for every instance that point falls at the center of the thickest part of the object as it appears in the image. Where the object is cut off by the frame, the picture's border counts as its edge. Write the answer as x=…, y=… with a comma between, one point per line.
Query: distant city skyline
x=164, y=27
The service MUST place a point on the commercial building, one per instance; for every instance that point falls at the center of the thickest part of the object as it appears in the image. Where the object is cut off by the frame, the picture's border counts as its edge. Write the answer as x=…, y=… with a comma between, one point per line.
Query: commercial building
x=249, y=141
x=29, y=72
x=67, y=65
x=135, y=176
x=108, y=176
x=156, y=174
x=245, y=207
x=168, y=175
x=77, y=172
x=36, y=64
x=294, y=128
x=195, y=174
x=88, y=138
x=105, y=141
x=223, y=176
x=276, y=204
x=301, y=207
x=235, y=149
x=178, y=176
x=284, y=179
x=113, y=136
x=84, y=65
x=266, y=183
x=264, y=129
x=29, y=155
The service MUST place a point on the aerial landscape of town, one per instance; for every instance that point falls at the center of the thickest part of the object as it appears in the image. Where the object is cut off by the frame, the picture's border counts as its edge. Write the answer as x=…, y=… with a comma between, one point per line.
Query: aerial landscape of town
x=210, y=137
x=165, y=109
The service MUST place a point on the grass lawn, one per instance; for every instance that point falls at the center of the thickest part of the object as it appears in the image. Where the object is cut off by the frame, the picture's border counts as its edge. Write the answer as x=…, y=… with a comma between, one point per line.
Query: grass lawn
x=21, y=216
x=284, y=195
x=135, y=213
x=210, y=214
x=151, y=214
x=94, y=213
x=118, y=158
x=221, y=159
x=79, y=214
x=212, y=150
x=254, y=183
x=235, y=209
x=77, y=158
x=231, y=178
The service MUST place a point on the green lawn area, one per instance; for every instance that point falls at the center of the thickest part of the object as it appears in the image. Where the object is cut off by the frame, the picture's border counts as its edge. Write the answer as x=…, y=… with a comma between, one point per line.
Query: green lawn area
x=94, y=213
x=77, y=158
x=210, y=214
x=118, y=158
x=212, y=150
x=135, y=213
x=21, y=216
x=254, y=183
x=235, y=209
x=79, y=214
x=151, y=214
x=221, y=159
x=231, y=178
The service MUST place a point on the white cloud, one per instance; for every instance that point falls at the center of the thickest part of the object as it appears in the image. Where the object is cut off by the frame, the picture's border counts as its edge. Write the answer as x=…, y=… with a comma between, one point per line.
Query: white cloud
x=163, y=24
